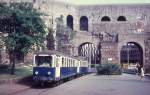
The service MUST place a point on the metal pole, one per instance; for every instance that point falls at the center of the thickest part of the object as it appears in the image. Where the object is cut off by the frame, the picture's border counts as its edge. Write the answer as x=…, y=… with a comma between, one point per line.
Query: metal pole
x=95, y=53
x=128, y=54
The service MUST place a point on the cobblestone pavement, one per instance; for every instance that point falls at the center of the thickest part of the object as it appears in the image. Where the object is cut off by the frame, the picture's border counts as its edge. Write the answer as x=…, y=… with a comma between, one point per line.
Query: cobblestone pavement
x=87, y=85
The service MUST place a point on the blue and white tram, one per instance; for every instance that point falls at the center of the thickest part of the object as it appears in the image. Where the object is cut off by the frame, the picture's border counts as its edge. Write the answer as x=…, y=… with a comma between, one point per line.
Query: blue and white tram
x=53, y=66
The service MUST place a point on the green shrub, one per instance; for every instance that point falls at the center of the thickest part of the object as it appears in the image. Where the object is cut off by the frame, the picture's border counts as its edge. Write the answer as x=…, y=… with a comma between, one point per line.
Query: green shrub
x=3, y=66
x=109, y=69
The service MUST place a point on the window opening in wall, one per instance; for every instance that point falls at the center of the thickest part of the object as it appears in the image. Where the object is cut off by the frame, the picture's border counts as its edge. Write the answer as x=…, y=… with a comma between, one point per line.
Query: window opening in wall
x=105, y=18
x=121, y=18
x=84, y=23
x=70, y=21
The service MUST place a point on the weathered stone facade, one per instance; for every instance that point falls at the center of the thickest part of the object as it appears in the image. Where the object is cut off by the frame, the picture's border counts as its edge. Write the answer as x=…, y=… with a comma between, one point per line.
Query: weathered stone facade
x=135, y=28
x=147, y=52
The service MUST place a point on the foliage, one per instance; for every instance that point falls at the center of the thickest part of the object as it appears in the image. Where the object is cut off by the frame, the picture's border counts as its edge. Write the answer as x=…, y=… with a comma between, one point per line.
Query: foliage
x=130, y=71
x=109, y=69
x=72, y=35
x=50, y=40
x=24, y=27
x=3, y=66
x=20, y=72
x=1, y=42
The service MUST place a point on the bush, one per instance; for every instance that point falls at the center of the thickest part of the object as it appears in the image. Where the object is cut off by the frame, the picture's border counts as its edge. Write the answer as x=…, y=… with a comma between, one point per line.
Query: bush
x=130, y=71
x=3, y=66
x=109, y=69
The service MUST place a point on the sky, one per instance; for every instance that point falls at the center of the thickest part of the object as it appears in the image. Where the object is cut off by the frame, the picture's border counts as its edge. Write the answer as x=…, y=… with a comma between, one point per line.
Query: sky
x=86, y=2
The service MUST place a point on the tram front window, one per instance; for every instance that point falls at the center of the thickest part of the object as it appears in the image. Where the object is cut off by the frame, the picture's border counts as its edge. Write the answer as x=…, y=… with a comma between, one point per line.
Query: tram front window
x=43, y=61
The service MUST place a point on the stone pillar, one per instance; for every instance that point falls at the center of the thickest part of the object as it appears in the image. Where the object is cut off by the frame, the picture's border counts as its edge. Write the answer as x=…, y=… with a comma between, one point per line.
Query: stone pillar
x=147, y=54
x=110, y=53
x=0, y=56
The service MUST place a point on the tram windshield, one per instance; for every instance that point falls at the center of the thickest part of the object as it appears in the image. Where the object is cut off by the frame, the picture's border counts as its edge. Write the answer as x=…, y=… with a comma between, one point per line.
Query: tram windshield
x=43, y=61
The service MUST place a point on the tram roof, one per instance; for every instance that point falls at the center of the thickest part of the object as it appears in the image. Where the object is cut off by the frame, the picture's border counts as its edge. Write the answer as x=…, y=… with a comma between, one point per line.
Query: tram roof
x=52, y=52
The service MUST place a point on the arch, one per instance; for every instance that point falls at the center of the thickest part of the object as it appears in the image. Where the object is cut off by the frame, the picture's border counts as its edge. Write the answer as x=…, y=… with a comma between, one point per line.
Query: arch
x=105, y=18
x=131, y=53
x=70, y=21
x=121, y=18
x=89, y=51
x=84, y=23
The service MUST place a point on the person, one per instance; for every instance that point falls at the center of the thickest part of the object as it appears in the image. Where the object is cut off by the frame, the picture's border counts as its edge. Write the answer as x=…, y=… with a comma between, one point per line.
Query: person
x=142, y=73
x=138, y=69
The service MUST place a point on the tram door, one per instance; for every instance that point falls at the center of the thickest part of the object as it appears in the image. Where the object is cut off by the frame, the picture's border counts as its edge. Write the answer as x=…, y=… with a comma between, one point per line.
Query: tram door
x=57, y=66
x=78, y=66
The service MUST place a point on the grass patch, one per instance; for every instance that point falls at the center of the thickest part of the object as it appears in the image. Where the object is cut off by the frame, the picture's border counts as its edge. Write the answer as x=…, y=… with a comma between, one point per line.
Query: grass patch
x=20, y=71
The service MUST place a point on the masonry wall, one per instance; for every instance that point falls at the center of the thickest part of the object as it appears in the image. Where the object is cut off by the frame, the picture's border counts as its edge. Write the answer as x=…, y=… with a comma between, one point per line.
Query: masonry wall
x=147, y=52
x=134, y=29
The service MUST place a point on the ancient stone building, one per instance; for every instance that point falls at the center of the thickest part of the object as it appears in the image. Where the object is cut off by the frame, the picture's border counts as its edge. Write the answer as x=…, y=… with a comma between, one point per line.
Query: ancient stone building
x=102, y=30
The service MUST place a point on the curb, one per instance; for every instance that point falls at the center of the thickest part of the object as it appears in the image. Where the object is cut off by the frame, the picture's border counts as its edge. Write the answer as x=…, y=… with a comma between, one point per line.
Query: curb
x=147, y=75
x=15, y=80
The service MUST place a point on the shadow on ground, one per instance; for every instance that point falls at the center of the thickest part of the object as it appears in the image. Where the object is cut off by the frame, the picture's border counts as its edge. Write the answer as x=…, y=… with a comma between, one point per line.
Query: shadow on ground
x=28, y=81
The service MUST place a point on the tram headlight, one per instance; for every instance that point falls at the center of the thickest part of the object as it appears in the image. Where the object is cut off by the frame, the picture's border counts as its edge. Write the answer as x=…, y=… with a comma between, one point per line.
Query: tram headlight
x=48, y=73
x=36, y=72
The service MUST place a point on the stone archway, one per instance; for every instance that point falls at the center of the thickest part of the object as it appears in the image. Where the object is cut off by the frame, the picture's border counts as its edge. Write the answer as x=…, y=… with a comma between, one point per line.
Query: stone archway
x=90, y=52
x=131, y=54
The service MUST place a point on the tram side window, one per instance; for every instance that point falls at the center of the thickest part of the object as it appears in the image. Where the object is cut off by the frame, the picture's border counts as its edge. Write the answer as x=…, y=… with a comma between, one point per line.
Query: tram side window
x=62, y=62
x=67, y=62
x=54, y=61
x=73, y=63
x=57, y=62
x=43, y=61
x=78, y=63
x=83, y=64
x=70, y=62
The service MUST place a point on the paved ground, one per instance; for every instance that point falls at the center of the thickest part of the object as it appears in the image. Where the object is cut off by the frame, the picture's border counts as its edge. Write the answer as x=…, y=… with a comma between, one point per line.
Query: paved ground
x=86, y=85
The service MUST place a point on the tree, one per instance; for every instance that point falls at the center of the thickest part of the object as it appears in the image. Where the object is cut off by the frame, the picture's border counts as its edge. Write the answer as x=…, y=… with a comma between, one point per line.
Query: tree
x=1, y=46
x=25, y=29
x=50, y=40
